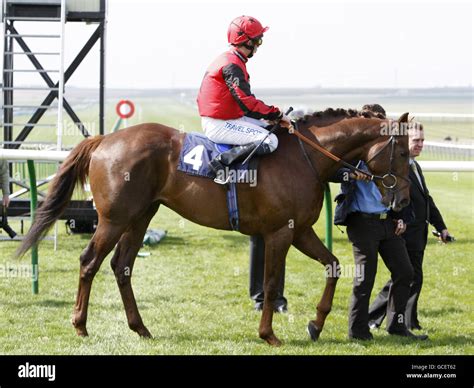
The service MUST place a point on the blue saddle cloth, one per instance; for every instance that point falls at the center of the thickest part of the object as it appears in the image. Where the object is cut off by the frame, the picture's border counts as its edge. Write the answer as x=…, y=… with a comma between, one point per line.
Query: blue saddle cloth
x=198, y=151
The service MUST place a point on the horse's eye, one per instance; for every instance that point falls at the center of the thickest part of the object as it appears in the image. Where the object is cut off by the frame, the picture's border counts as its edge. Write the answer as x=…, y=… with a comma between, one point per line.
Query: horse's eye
x=404, y=154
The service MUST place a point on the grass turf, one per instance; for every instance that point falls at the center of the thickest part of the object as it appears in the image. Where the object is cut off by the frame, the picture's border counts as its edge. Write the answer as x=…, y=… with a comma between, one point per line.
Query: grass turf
x=192, y=294
x=192, y=290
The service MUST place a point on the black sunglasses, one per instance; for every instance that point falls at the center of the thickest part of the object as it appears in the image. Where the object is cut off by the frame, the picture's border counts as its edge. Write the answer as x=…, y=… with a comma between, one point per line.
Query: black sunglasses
x=257, y=41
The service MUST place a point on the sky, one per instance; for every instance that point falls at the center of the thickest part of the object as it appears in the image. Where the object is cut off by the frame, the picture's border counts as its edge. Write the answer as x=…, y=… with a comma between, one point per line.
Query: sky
x=359, y=44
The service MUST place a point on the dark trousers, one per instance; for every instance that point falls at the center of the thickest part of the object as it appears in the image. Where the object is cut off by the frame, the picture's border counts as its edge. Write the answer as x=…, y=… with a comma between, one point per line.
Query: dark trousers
x=257, y=271
x=378, y=308
x=369, y=238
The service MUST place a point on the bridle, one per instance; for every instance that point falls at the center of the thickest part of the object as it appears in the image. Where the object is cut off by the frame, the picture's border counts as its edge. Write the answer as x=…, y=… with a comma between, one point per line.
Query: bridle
x=390, y=174
x=384, y=178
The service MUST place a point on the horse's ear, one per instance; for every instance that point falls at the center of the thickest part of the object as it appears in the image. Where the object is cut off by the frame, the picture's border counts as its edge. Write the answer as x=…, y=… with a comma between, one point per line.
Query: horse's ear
x=403, y=118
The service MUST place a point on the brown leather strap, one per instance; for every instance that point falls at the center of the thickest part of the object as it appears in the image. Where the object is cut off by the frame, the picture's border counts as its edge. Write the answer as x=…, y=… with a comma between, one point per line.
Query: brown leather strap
x=315, y=145
x=329, y=154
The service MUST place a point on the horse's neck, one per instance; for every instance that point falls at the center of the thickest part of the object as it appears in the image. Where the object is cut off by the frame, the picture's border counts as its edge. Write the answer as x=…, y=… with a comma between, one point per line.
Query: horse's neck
x=348, y=140
x=325, y=120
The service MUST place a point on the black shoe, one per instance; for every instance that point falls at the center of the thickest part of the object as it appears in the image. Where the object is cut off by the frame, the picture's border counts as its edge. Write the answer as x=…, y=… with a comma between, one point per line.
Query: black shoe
x=216, y=165
x=373, y=325
x=263, y=149
x=416, y=326
x=234, y=155
x=362, y=337
x=408, y=334
x=283, y=309
x=226, y=158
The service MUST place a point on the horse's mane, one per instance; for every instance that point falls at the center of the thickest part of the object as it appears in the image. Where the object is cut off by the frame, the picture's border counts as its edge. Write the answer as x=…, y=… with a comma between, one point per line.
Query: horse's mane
x=331, y=113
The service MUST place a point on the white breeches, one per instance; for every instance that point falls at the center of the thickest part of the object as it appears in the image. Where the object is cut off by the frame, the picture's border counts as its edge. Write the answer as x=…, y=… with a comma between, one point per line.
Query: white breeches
x=238, y=132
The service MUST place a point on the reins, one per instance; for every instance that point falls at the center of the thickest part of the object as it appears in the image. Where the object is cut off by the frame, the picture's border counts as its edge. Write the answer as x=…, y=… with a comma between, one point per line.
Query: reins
x=391, y=141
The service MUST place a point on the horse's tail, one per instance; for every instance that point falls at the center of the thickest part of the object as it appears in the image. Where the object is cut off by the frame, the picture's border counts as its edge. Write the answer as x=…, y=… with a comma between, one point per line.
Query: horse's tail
x=73, y=170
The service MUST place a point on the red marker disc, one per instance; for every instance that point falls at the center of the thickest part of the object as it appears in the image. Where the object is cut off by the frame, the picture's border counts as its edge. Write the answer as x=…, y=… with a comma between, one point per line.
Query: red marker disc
x=125, y=109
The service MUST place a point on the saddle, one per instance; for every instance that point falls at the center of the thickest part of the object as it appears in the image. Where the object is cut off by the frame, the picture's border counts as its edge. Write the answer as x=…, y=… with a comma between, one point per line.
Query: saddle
x=198, y=151
x=194, y=159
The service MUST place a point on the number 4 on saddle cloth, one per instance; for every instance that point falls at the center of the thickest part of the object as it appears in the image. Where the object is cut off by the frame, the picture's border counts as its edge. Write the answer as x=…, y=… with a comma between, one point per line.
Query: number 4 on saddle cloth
x=198, y=151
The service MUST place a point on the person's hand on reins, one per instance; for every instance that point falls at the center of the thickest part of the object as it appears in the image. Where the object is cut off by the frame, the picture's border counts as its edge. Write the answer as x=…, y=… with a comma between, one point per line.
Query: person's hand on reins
x=284, y=121
x=357, y=175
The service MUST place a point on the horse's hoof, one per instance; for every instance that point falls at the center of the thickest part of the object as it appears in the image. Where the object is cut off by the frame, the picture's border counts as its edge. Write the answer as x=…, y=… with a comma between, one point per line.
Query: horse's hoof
x=313, y=331
x=273, y=341
x=140, y=329
x=82, y=332
x=144, y=333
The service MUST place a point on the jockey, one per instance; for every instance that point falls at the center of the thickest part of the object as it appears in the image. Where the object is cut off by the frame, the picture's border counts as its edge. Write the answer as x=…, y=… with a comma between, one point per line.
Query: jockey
x=230, y=113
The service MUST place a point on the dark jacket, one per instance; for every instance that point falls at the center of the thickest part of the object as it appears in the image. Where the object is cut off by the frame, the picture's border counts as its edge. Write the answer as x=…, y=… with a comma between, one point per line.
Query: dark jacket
x=346, y=196
x=425, y=212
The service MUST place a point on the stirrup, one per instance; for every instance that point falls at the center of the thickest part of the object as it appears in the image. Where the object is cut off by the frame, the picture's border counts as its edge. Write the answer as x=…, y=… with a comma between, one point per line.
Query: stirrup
x=216, y=166
x=222, y=181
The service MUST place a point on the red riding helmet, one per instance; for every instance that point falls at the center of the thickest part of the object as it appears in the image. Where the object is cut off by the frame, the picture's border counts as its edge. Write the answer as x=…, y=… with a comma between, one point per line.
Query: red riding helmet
x=244, y=28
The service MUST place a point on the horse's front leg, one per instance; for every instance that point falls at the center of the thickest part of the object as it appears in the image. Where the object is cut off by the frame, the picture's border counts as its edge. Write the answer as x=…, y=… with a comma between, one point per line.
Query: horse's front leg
x=309, y=243
x=276, y=249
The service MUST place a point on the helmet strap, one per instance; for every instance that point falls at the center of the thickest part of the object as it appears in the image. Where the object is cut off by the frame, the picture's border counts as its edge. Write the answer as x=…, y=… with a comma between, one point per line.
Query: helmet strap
x=250, y=48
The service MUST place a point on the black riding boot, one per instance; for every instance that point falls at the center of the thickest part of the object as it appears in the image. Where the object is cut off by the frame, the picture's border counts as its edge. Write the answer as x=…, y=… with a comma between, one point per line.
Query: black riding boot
x=235, y=154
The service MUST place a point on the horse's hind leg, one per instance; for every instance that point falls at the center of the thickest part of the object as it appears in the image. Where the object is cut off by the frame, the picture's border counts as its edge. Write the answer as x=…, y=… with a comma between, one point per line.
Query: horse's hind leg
x=122, y=265
x=309, y=243
x=104, y=239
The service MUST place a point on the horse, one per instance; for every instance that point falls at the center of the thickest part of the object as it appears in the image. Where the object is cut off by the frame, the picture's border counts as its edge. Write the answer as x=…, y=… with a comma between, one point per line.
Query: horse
x=133, y=172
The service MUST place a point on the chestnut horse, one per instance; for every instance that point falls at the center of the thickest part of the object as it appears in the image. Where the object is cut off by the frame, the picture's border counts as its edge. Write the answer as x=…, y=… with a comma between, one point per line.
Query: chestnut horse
x=134, y=171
